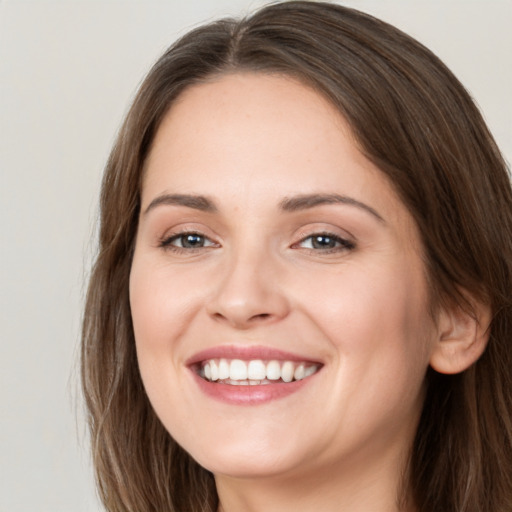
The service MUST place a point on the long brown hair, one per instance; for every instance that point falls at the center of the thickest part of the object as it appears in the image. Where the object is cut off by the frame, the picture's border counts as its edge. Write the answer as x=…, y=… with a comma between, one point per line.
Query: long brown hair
x=416, y=122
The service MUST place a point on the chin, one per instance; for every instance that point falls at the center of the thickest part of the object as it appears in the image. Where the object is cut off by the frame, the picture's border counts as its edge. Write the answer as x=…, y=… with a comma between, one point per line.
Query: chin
x=247, y=469
x=246, y=460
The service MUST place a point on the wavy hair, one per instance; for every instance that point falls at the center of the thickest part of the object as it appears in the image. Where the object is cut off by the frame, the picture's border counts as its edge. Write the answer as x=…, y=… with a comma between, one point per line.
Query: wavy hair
x=416, y=122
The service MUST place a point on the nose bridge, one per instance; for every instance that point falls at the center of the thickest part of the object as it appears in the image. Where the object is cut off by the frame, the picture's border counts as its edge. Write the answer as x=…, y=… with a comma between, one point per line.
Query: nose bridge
x=248, y=290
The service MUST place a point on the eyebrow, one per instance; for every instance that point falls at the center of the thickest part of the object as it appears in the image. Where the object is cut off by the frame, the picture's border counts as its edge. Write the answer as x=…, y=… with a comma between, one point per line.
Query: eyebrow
x=303, y=202
x=201, y=203
x=288, y=204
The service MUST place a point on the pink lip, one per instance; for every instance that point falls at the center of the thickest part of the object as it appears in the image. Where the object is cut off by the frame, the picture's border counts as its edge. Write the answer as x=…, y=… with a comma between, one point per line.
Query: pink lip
x=246, y=353
x=247, y=395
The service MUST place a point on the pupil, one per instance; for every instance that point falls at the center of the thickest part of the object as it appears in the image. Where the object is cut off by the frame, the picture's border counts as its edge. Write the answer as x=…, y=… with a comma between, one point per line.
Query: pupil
x=192, y=240
x=323, y=241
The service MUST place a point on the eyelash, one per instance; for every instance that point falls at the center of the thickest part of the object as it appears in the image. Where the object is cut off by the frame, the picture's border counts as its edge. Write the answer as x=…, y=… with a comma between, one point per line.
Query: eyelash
x=167, y=243
x=341, y=244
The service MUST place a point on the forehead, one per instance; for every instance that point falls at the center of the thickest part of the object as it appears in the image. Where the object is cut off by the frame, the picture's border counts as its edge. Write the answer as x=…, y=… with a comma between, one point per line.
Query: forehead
x=259, y=135
x=246, y=111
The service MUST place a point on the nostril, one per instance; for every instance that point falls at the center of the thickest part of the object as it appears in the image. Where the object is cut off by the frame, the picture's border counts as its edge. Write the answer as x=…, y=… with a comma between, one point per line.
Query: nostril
x=261, y=316
x=242, y=321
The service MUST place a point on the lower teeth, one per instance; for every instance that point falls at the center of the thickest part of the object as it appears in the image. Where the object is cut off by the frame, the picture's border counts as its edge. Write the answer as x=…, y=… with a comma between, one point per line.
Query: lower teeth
x=244, y=382
x=232, y=382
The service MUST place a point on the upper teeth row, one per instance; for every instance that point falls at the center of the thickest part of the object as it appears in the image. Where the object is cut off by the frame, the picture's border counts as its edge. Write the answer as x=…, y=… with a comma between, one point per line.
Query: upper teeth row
x=236, y=369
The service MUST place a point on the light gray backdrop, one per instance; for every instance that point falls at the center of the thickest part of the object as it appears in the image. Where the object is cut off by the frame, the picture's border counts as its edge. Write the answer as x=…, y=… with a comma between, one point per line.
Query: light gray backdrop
x=67, y=73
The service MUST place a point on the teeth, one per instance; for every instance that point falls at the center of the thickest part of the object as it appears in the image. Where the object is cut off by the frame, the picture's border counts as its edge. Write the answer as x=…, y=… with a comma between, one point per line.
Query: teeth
x=214, y=370
x=300, y=372
x=237, y=370
x=255, y=372
x=223, y=369
x=246, y=382
x=287, y=371
x=310, y=370
x=273, y=370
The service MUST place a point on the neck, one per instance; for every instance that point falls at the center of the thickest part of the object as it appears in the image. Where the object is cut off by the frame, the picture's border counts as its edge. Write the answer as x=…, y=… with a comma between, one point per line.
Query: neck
x=378, y=488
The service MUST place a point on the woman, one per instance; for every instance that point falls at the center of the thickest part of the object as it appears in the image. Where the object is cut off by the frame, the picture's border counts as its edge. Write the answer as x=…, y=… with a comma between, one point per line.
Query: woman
x=302, y=299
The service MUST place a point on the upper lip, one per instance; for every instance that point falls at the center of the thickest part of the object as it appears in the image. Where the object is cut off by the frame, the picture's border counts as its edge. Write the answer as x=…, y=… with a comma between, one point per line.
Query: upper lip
x=247, y=353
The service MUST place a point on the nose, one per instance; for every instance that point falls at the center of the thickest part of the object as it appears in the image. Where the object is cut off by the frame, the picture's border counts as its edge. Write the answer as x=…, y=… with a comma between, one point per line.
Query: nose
x=249, y=294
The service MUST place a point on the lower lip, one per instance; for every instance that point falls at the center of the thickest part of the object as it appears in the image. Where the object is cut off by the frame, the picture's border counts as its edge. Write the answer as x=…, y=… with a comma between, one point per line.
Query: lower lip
x=250, y=395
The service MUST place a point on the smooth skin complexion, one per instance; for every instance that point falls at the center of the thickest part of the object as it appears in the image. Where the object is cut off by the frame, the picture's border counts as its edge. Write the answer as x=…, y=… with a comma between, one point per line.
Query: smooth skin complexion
x=264, y=228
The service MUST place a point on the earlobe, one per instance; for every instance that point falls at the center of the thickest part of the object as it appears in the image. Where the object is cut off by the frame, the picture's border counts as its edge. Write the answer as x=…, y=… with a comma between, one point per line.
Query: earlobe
x=462, y=338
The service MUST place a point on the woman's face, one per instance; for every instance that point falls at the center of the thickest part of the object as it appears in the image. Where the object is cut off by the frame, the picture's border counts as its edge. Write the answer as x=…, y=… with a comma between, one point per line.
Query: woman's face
x=278, y=294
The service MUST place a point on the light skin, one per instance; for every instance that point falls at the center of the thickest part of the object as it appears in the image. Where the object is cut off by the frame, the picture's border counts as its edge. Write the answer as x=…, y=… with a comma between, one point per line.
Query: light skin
x=299, y=243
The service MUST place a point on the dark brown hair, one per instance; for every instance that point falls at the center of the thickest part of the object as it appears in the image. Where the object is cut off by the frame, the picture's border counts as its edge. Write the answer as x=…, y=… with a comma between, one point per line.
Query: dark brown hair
x=416, y=122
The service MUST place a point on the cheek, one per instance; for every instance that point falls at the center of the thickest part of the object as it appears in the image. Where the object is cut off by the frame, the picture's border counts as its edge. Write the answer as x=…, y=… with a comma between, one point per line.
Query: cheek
x=160, y=316
x=161, y=303
x=377, y=322
x=376, y=302
x=156, y=321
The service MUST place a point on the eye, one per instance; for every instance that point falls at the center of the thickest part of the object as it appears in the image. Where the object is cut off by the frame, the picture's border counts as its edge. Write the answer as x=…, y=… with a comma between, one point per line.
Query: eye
x=187, y=241
x=326, y=242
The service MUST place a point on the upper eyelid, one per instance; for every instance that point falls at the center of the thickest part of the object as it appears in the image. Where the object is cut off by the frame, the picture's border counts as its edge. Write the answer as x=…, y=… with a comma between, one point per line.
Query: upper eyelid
x=334, y=231
x=324, y=232
x=300, y=235
x=188, y=228
x=345, y=241
x=173, y=236
x=167, y=244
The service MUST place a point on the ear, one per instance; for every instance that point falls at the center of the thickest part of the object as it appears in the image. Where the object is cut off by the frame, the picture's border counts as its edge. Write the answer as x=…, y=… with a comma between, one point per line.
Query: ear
x=462, y=337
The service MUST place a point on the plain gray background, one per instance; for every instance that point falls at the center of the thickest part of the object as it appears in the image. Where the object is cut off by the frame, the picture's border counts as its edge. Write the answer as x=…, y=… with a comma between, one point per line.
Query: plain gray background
x=67, y=72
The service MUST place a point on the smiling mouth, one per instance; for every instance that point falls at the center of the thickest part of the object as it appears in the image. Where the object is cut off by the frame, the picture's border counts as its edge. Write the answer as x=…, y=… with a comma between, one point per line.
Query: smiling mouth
x=255, y=372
